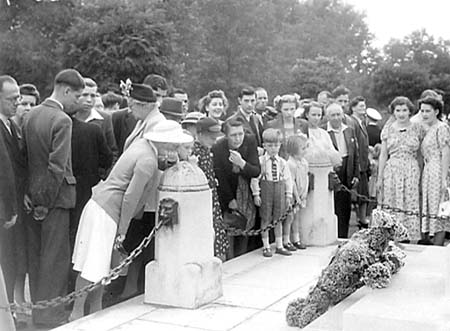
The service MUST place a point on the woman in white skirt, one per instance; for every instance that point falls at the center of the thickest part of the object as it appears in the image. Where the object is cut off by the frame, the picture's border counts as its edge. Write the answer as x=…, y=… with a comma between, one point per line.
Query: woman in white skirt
x=114, y=203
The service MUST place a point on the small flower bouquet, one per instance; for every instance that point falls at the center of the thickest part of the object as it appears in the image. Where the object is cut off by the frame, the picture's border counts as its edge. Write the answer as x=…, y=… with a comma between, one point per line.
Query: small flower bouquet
x=368, y=258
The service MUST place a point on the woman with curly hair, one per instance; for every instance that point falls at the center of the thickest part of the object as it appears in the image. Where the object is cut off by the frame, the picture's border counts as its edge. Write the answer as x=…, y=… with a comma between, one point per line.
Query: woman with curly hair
x=214, y=105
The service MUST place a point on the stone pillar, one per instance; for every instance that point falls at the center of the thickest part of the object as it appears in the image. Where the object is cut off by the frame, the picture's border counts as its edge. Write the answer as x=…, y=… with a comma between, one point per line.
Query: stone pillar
x=318, y=223
x=185, y=272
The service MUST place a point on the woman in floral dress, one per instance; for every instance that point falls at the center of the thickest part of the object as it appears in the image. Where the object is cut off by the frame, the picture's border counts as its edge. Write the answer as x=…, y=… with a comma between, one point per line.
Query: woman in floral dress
x=399, y=172
x=208, y=129
x=436, y=154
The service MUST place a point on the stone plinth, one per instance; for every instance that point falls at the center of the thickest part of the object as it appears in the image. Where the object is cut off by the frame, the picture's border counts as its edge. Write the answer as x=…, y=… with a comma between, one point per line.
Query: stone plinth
x=185, y=272
x=318, y=223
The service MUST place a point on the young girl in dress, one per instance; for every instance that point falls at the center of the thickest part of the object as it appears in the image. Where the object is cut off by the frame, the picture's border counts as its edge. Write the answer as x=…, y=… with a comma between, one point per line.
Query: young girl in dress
x=298, y=166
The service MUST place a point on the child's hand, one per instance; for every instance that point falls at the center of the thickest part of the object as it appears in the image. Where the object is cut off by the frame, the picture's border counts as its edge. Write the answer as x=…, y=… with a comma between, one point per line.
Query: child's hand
x=257, y=201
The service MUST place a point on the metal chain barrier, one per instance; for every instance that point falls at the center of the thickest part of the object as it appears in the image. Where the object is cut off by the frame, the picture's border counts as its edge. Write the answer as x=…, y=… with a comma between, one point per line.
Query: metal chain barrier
x=114, y=273
x=239, y=232
x=394, y=209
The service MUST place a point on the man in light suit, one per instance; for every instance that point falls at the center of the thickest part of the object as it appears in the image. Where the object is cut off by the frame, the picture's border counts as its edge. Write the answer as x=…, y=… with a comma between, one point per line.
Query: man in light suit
x=344, y=141
x=47, y=131
x=144, y=107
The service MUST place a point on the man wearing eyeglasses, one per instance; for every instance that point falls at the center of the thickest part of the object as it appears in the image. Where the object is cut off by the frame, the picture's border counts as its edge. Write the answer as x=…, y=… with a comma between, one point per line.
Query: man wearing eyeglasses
x=12, y=231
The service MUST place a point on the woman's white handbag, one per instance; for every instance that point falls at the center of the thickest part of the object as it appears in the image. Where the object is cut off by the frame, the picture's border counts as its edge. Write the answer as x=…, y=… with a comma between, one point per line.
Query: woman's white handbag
x=444, y=206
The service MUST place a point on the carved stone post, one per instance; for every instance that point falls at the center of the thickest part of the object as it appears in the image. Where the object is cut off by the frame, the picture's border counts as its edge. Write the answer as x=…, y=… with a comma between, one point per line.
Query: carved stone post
x=185, y=272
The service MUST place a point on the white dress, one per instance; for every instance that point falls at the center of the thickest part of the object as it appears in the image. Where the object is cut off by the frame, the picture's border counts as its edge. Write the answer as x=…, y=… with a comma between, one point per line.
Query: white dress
x=94, y=243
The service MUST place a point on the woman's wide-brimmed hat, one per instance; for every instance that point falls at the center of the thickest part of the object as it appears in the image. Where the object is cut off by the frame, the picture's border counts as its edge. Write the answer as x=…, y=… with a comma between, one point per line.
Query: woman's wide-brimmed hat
x=168, y=131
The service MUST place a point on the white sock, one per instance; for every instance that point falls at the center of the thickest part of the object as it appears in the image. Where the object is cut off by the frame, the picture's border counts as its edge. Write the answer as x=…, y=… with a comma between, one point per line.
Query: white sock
x=296, y=237
x=266, y=242
x=279, y=242
x=286, y=239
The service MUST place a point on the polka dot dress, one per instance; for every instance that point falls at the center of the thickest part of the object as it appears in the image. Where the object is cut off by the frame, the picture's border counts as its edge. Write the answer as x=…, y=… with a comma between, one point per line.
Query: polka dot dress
x=205, y=163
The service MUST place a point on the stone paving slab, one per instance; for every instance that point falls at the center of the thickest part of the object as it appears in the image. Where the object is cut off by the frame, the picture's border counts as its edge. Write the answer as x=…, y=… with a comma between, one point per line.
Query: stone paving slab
x=256, y=293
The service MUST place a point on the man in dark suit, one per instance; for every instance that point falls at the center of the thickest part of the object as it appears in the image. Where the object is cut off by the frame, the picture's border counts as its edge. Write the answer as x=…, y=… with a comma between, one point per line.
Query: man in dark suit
x=47, y=132
x=246, y=113
x=11, y=178
x=344, y=141
x=357, y=122
x=236, y=156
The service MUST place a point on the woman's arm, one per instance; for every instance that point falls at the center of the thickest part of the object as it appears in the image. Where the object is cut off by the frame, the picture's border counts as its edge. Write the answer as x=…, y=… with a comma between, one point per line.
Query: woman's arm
x=381, y=164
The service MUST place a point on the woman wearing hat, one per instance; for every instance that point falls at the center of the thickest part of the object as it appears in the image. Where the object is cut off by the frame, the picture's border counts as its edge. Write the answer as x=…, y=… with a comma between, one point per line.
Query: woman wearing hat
x=115, y=202
x=208, y=130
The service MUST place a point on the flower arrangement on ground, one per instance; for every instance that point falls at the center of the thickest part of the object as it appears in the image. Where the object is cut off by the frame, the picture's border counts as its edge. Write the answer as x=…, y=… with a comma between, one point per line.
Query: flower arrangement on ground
x=369, y=258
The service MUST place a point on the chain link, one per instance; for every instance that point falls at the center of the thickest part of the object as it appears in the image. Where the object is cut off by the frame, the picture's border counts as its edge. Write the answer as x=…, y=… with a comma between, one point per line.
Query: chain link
x=114, y=274
x=395, y=209
x=239, y=232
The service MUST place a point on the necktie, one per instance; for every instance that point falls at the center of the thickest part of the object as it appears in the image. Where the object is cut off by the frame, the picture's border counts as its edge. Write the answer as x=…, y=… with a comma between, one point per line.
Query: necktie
x=274, y=169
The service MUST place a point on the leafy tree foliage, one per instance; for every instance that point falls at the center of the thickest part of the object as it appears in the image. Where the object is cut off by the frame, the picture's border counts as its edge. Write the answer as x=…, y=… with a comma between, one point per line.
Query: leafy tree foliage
x=116, y=40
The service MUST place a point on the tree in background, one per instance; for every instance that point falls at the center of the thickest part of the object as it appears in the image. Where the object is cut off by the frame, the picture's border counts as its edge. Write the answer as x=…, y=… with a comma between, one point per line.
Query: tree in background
x=115, y=40
x=29, y=39
x=310, y=76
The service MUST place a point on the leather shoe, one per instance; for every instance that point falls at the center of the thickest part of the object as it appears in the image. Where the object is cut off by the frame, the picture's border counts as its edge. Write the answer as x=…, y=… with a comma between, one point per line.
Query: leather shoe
x=283, y=251
x=299, y=245
x=267, y=252
x=290, y=247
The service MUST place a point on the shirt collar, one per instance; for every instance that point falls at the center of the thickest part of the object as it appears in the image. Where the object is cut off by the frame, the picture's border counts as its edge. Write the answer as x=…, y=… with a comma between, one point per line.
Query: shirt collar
x=331, y=129
x=94, y=115
x=4, y=119
x=247, y=116
x=57, y=102
x=268, y=157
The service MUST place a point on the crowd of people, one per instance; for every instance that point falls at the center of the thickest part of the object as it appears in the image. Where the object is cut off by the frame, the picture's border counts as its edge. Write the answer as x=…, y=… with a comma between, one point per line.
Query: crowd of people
x=80, y=172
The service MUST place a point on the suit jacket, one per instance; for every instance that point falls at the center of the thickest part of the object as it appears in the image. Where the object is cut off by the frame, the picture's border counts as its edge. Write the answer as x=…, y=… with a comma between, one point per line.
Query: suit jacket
x=223, y=168
x=90, y=155
x=47, y=133
x=107, y=128
x=8, y=202
x=300, y=125
x=352, y=170
x=126, y=190
x=123, y=123
x=363, y=142
x=253, y=127
x=14, y=145
x=374, y=133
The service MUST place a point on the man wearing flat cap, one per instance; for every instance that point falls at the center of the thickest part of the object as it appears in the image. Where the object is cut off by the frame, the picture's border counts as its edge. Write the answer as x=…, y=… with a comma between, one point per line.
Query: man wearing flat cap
x=47, y=131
